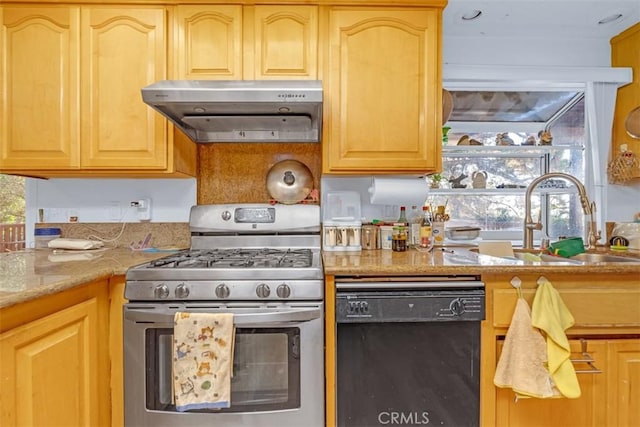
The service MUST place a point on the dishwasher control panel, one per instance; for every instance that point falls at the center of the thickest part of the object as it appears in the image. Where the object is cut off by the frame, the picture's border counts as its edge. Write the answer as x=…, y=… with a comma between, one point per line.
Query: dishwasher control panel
x=429, y=305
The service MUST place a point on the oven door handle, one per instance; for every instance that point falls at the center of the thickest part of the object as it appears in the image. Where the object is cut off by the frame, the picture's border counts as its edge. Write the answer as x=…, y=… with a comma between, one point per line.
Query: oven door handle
x=239, y=319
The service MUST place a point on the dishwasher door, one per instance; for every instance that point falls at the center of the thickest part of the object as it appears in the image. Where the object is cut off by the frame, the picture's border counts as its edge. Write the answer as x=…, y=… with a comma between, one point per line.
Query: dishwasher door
x=409, y=357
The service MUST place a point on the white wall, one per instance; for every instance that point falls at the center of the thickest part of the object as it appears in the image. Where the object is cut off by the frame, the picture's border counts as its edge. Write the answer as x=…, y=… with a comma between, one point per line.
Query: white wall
x=107, y=200
x=537, y=51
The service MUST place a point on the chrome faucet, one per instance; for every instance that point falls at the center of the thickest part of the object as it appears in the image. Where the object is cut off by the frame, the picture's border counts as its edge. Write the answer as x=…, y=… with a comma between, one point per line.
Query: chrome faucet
x=588, y=208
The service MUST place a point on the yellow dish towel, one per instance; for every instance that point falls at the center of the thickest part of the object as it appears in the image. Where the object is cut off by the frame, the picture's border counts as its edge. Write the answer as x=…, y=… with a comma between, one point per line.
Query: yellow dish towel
x=551, y=315
x=202, y=360
x=521, y=366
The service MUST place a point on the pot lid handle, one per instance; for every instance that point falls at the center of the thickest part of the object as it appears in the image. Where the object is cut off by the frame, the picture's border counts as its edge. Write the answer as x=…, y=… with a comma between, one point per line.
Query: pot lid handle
x=289, y=178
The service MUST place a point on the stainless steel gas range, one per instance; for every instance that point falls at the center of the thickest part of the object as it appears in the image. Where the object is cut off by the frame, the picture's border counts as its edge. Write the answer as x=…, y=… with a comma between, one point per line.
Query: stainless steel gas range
x=260, y=262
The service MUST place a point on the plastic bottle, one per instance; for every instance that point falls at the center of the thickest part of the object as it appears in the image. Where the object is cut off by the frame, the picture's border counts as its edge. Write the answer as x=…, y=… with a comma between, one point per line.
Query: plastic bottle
x=415, y=219
x=426, y=230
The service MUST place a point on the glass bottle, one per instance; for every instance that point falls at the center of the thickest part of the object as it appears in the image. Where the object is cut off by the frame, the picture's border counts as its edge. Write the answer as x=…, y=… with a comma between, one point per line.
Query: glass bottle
x=403, y=215
x=415, y=219
x=426, y=230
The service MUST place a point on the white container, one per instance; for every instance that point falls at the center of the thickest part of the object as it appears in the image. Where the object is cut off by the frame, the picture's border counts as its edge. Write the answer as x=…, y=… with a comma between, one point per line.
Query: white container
x=341, y=235
x=630, y=231
x=42, y=236
x=386, y=237
x=341, y=206
x=438, y=233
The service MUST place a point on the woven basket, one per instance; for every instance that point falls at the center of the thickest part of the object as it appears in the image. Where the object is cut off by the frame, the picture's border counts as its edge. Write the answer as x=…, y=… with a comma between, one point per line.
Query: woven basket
x=623, y=167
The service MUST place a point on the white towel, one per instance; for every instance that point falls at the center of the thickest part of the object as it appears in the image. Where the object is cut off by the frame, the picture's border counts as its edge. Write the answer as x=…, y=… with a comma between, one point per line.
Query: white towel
x=522, y=363
x=202, y=360
x=78, y=244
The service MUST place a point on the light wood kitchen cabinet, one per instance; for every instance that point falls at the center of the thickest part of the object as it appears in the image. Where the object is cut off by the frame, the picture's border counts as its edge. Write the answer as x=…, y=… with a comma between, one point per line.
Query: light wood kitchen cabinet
x=236, y=42
x=623, y=382
x=607, y=323
x=625, y=52
x=73, y=76
x=54, y=360
x=116, y=302
x=383, y=87
x=40, y=82
x=587, y=410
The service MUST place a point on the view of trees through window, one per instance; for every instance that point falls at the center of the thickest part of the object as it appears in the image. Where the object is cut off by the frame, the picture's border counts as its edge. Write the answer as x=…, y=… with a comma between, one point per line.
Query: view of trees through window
x=506, y=171
x=12, y=199
x=12, y=213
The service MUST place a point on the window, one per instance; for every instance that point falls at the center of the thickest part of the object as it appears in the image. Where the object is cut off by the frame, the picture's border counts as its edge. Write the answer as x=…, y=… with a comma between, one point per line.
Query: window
x=12, y=213
x=484, y=185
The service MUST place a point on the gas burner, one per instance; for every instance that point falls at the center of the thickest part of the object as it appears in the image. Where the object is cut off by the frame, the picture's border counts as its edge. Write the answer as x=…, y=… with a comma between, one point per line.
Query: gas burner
x=237, y=258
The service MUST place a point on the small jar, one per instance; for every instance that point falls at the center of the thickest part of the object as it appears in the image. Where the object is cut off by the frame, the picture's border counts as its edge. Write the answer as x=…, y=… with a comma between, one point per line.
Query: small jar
x=399, y=239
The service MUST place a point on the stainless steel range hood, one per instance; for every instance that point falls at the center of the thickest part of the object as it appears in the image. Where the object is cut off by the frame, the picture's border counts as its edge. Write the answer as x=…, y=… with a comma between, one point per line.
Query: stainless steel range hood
x=240, y=110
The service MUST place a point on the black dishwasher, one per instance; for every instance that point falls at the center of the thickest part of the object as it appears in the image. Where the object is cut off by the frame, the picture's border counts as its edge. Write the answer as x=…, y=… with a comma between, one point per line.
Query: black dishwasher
x=408, y=351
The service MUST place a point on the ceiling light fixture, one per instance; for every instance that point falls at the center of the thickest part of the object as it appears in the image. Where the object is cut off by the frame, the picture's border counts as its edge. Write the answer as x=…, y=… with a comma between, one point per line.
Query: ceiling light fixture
x=471, y=15
x=610, y=18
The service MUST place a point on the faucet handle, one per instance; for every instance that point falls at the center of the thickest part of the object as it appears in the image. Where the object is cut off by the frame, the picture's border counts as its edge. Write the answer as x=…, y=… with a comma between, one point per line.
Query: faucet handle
x=594, y=236
x=534, y=225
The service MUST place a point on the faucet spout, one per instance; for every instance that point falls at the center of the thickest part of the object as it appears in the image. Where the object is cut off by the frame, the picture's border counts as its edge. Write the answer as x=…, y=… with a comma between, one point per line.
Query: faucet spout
x=529, y=225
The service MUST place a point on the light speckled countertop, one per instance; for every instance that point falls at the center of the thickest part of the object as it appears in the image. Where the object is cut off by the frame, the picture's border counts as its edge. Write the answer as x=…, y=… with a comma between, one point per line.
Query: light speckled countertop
x=454, y=260
x=30, y=274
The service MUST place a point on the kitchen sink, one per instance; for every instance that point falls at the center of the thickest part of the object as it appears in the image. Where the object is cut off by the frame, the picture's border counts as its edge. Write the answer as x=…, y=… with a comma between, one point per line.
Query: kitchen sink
x=593, y=257
x=532, y=255
x=543, y=258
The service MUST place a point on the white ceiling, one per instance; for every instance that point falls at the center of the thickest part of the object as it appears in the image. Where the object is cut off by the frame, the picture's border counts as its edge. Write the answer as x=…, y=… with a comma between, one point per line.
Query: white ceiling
x=565, y=19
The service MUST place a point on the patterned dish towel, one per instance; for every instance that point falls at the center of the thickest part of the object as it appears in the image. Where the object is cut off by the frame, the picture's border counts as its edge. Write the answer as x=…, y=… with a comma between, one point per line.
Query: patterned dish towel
x=202, y=360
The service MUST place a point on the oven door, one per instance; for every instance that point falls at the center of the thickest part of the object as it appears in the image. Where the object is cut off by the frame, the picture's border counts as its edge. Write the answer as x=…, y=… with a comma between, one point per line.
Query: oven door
x=277, y=367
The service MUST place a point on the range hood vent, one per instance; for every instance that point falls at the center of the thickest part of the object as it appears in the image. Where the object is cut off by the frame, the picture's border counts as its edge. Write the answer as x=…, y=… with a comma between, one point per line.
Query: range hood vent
x=240, y=110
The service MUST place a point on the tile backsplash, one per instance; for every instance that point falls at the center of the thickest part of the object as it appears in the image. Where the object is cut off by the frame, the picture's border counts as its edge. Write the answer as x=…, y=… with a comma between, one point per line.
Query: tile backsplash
x=123, y=235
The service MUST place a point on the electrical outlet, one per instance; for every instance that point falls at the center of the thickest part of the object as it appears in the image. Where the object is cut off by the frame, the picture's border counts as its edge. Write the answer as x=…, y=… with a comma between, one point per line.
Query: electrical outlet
x=143, y=209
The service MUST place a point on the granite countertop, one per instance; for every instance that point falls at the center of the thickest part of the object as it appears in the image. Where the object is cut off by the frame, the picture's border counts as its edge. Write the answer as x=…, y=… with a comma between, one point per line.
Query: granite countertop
x=30, y=274
x=455, y=261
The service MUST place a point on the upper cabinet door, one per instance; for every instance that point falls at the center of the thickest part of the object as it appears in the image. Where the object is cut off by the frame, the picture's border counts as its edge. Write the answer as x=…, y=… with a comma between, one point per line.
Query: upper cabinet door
x=39, y=123
x=283, y=43
x=123, y=50
x=209, y=42
x=383, y=113
x=625, y=52
x=234, y=42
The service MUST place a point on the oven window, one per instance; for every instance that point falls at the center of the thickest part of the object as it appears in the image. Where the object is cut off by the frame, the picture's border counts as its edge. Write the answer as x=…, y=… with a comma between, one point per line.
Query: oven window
x=266, y=370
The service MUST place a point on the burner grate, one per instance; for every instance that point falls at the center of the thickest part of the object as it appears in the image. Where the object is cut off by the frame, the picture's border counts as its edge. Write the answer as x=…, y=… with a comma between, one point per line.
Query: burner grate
x=237, y=258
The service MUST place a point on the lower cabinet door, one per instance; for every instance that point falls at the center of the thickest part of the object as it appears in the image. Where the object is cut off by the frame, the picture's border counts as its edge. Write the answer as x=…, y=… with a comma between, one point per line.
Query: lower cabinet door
x=52, y=372
x=623, y=382
x=587, y=410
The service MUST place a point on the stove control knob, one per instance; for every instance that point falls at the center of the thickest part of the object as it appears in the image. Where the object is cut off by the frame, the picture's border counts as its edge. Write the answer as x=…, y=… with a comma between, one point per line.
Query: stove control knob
x=222, y=291
x=226, y=215
x=161, y=291
x=263, y=291
x=283, y=291
x=182, y=291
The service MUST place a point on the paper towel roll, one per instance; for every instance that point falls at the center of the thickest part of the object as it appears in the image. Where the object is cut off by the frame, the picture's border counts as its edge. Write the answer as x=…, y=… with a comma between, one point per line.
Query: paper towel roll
x=398, y=191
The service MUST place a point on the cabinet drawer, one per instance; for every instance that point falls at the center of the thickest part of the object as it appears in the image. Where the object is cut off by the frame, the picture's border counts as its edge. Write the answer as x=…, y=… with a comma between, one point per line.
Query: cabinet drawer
x=599, y=307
